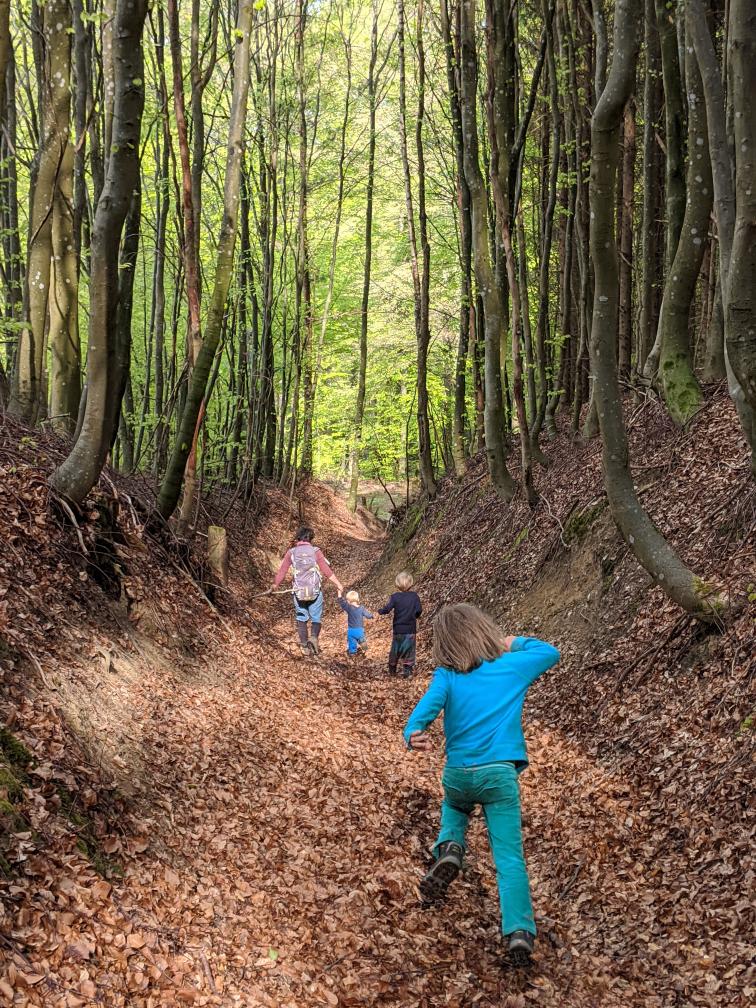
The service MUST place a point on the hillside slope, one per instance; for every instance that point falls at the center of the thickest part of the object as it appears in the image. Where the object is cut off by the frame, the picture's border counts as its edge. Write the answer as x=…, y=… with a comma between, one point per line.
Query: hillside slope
x=664, y=708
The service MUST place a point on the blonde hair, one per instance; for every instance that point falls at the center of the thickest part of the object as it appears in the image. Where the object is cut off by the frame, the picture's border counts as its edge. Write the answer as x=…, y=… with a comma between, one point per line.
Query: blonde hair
x=404, y=581
x=464, y=637
x=353, y=596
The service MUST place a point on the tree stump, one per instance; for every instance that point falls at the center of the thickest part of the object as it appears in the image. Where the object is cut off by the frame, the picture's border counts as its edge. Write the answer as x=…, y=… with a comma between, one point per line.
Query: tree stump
x=217, y=554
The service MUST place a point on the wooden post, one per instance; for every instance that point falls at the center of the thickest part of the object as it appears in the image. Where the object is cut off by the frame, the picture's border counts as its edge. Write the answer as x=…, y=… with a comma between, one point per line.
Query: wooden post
x=217, y=554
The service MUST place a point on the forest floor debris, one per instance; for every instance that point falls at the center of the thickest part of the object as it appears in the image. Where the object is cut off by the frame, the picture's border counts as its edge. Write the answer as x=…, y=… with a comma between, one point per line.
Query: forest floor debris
x=209, y=819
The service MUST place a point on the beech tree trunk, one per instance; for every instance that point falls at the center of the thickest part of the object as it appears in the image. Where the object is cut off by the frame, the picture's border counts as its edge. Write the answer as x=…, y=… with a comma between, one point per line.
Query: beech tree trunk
x=634, y=524
x=305, y=278
x=490, y=293
x=651, y=192
x=740, y=319
x=466, y=310
x=76, y=476
x=420, y=273
x=680, y=386
x=724, y=187
x=625, y=341
x=359, y=408
x=171, y=487
x=674, y=119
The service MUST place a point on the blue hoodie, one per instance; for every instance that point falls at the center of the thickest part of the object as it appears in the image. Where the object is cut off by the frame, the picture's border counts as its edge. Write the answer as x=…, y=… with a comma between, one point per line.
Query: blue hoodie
x=483, y=708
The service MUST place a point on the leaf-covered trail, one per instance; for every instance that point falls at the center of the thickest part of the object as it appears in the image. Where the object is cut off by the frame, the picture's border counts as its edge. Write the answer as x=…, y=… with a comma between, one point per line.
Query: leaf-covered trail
x=290, y=824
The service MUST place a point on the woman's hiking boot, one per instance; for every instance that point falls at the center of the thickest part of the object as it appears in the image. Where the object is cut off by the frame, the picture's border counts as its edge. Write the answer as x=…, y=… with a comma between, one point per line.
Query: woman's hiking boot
x=314, y=646
x=443, y=871
x=305, y=648
x=520, y=946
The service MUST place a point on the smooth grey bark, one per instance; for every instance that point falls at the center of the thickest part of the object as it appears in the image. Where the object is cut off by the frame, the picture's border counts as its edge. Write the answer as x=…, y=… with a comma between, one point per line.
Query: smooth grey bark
x=674, y=116
x=76, y=476
x=627, y=231
x=419, y=247
x=547, y=233
x=644, y=539
x=466, y=310
x=651, y=192
x=186, y=436
x=740, y=319
x=359, y=406
x=490, y=293
x=63, y=320
x=674, y=160
x=680, y=386
x=724, y=193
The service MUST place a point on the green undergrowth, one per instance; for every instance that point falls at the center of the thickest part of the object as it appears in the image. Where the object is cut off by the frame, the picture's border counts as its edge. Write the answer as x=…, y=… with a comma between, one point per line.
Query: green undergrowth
x=87, y=842
x=15, y=758
x=579, y=522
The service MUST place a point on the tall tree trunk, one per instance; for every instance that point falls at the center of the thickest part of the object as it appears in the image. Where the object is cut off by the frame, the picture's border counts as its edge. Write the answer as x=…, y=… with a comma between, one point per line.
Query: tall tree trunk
x=651, y=191
x=724, y=186
x=162, y=162
x=190, y=238
x=674, y=114
x=359, y=408
x=76, y=476
x=674, y=118
x=171, y=487
x=65, y=371
x=420, y=274
x=627, y=230
x=637, y=529
x=466, y=311
x=13, y=259
x=682, y=392
x=547, y=233
x=308, y=383
x=28, y=394
x=490, y=293
x=740, y=319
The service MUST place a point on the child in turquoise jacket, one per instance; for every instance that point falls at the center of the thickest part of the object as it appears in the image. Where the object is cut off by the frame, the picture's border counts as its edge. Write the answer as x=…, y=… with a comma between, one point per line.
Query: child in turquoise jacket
x=480, y=685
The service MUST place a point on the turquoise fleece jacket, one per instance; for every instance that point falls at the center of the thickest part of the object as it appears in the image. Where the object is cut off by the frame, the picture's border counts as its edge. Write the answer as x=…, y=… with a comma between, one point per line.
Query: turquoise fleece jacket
x=483, y=708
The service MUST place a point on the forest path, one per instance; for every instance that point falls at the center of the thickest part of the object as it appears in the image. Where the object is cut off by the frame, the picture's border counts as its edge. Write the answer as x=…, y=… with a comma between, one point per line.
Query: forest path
x=291, y=827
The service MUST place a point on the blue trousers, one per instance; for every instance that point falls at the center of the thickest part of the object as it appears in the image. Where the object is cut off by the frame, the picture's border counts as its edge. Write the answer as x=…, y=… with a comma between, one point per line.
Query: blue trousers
x=304, y=611
x=495, y=788
x=355, y=636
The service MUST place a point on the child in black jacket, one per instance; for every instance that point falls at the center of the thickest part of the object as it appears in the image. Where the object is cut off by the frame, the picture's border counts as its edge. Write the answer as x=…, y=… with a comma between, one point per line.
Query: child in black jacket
x=407, y=609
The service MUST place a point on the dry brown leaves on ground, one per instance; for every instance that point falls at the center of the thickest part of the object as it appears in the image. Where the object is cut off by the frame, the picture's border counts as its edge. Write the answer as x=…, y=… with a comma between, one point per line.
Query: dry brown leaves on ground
x=210, y=820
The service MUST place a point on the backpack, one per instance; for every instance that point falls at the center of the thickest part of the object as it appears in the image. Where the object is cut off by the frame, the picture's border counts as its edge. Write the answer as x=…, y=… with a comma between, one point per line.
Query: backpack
x=307, y=576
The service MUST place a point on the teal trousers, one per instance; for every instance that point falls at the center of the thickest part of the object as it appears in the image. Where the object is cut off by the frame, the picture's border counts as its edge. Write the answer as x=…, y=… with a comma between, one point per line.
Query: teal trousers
x=494, y=787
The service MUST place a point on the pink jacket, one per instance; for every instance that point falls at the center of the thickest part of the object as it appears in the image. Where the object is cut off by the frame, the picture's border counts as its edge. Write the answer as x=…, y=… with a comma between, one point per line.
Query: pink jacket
x=325, y=570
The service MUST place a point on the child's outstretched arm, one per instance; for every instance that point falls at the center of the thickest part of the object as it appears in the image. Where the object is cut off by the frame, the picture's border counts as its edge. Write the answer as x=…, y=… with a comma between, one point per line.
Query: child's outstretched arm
x=532, y=657
x=429, y=706
x=385, y=610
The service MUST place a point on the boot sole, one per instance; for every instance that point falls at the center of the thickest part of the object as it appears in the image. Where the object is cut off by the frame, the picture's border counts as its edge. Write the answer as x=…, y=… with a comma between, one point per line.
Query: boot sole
x=520, y=958
x=433, y=887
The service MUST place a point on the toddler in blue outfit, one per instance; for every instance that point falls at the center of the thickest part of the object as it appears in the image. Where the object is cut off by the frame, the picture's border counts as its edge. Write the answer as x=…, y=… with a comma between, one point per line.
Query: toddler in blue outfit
x=480, y=685
x=356, y=615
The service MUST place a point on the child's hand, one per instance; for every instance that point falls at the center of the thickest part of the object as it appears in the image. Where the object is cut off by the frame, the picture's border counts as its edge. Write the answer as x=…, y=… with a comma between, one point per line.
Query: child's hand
x=419, y=740
x=508, y=642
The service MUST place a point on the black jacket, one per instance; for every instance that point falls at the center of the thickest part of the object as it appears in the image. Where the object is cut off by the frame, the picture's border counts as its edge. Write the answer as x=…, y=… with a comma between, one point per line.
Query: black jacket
x=407, y=609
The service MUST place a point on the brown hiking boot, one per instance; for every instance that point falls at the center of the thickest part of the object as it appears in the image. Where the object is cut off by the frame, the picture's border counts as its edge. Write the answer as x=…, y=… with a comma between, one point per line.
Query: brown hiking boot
x=443, y=871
